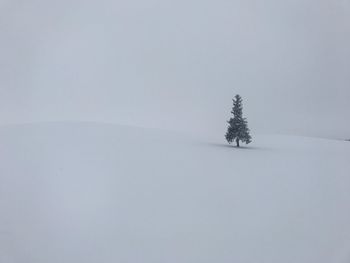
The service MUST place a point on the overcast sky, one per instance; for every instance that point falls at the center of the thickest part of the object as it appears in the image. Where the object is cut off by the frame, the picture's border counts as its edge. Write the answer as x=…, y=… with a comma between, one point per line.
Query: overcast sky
x=176, y=64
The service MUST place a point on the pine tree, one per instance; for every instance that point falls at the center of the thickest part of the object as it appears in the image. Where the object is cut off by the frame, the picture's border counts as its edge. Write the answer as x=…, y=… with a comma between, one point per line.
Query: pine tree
x=238, y=127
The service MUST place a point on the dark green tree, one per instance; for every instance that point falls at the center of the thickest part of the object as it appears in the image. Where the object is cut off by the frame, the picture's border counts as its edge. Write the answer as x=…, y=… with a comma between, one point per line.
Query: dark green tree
x=238, y=127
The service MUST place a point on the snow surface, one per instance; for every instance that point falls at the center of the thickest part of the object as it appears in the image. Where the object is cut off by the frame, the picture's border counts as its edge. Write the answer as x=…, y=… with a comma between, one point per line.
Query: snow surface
x=89, y=192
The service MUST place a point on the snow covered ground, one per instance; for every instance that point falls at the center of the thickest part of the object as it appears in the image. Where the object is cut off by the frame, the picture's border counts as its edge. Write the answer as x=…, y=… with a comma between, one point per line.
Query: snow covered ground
x=97, y=193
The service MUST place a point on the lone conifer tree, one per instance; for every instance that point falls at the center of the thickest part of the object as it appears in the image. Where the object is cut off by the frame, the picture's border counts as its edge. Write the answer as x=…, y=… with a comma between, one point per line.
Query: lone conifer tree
x=238, y=127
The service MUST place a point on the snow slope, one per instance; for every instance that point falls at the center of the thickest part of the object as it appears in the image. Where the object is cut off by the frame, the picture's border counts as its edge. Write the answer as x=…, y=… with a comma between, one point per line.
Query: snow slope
x=97, y=193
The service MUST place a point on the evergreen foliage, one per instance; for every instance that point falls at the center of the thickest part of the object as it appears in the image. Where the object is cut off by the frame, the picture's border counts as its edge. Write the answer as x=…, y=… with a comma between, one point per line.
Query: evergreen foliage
x=238, y=127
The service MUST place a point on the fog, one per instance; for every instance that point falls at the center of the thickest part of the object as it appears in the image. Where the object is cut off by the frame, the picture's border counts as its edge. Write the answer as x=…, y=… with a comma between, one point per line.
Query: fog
x=177, y=64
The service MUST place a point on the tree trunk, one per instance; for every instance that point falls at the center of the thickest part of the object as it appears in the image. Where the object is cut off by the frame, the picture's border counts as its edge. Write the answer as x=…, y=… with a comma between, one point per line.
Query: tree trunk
x=237, y=142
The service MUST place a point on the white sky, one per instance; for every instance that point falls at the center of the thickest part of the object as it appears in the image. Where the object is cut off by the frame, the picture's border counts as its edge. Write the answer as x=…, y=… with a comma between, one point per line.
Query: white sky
x=176, y=64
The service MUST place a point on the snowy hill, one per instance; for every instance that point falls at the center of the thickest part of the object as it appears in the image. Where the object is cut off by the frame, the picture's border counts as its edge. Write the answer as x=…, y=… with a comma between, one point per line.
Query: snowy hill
x=105, y=193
